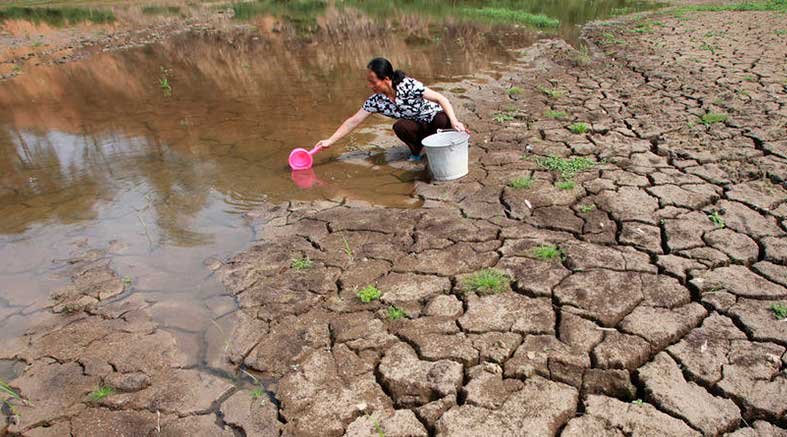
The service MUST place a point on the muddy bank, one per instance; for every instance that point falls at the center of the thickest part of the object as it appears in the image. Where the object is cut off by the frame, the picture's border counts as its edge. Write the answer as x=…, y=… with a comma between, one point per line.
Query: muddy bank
x=641, y=279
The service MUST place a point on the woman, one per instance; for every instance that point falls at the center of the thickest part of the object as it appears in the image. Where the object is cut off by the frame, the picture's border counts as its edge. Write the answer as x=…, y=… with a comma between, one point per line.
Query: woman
x=419, y=111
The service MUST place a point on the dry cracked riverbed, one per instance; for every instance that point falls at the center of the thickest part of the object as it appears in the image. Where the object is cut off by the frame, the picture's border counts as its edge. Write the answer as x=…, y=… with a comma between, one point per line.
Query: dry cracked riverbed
x=654, y=317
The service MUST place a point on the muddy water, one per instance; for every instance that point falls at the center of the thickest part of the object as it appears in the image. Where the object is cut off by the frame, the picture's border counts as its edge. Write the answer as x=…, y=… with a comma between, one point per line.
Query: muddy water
x=154, y=153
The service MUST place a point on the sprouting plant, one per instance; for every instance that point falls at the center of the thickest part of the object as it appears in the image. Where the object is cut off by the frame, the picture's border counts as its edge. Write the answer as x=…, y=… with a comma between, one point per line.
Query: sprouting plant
x=610, y=38
x=779, y=310
x=258, y=393
x=579, y=128
x=554, y=114
x=709, y=47
x=101, y=393
x=377, y=427
x=713, y=117
x=164, y=81
x=301, y=263
x=582, y=56
x=637, y=402
x=566, y=168
x=552, y=92
x=502, y=117
x=780, y=32
x=11, y=395
x=587, y=208
x=565, y=185
x=347, y=250
x=514, y=90
x=749, y=78
x=127, y=281
x=548, y=252
x=522, y=182
x=717, y=219
x=369, y=293
x=487, y=281
x=395, y=313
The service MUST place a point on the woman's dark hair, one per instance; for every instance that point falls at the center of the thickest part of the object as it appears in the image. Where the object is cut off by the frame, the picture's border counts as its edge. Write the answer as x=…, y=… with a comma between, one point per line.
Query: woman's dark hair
x=382, y=68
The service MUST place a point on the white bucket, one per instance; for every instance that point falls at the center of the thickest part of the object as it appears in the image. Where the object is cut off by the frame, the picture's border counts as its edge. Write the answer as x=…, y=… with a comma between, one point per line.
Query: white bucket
x=447, y=154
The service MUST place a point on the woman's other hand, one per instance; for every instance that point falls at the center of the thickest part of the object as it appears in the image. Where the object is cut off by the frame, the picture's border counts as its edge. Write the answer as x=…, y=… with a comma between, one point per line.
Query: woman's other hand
x=324, y=144
x=458, y=126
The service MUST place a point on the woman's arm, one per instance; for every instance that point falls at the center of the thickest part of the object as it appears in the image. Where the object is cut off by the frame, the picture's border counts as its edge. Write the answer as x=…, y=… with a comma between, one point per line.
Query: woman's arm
x=441, y=100
x=346, y=127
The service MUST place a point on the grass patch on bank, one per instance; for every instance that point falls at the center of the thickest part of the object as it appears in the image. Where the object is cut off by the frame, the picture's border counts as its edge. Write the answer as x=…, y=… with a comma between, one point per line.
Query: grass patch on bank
x=395, y=313
x=555, y=114
x=713, y=118
x=57, y=17
x=302, y=263
x=579, y=128
x=565, y=185
x=487, y=281
x=552, y=92
x=514, y=91
x=160, y=10
x=770, y=5
x=510, y=16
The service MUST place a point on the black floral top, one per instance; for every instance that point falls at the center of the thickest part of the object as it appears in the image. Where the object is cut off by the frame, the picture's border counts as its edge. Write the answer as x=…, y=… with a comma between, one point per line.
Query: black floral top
x=409, y=104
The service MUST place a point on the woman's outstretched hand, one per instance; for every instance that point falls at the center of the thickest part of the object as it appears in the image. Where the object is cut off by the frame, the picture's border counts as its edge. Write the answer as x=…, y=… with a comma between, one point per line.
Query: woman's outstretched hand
x=324, y=144
x=458, y=126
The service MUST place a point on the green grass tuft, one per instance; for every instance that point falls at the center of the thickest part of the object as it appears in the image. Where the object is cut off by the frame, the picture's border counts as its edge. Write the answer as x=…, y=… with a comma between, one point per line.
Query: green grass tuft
x=395, y=313
x=717, y=219
x=487, y=281
x=566, y=185
x=579, y=128
x=369, y=293
x=548, y=253
x=521, y=183
x=57, y=16
x=587, y=208
x=567, y=168
x=552, y=92
x=160, y=10
x=770, y=5
x=713, y=117
x=101, y=393
x=514, y=90
x=511, y=16
x=502, y=117
x=779, y=310
x=555, y=114
x=302, y=263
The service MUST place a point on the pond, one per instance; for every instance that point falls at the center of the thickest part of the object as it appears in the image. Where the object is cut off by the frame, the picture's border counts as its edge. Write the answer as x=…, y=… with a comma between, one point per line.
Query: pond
x=157, y=151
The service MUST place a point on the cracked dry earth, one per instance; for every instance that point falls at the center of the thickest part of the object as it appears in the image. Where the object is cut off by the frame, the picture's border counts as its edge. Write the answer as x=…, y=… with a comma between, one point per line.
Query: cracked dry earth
x=656, y=322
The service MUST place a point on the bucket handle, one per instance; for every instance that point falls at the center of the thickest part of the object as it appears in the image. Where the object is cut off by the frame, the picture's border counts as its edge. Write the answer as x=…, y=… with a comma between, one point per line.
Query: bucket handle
x=439, y=131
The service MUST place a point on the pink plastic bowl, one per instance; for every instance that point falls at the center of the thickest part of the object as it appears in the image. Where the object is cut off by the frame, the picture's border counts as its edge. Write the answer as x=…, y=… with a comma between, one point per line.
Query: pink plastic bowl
x=301, y=159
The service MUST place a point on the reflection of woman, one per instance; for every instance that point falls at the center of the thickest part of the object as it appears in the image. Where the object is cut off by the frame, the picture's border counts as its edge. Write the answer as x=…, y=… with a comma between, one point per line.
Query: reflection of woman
x=419, y=111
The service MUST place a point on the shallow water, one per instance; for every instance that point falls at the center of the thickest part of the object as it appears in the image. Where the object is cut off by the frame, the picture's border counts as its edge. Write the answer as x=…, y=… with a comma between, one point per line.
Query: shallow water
x=155, y=152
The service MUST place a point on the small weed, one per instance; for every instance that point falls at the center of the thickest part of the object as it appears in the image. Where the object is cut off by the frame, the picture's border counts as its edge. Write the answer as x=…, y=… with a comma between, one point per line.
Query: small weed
x=779, y=310
x=38, y=44
x=548, y=253
x=502, y=117
x=160, y=10
x=582, y=56
x=555, y=114
x=164, y=82
x=587, y=208
x=369, y=293
x=565, y=185
x=780, y=32
x=711, y=48
x=637, y=402
x=100, y=393
x=522, y=182
x=579, y=128
x=552, y=92
x=302, y=263
x=610, y=38
x=514, y=91
x=717, y=219
x=16, y=68
x=567, y=168
x=487, y=281
x=395, y=313
x=347, y=250
x=719, y=102
x=377, y=427
x=749, y=78
x=643, y=28
x=258, y=393
x=713, y=117
x=127, y=281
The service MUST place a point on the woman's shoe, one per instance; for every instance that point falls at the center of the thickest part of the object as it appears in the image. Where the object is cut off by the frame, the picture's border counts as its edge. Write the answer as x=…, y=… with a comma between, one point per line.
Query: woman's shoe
x=414, y=158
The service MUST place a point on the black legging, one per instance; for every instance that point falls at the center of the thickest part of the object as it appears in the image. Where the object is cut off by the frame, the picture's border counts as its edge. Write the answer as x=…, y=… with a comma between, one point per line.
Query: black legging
x=412, y=132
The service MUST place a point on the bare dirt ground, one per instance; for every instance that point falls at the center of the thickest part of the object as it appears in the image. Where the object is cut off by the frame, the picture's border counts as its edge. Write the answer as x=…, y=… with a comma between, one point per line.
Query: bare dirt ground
x=654, y=318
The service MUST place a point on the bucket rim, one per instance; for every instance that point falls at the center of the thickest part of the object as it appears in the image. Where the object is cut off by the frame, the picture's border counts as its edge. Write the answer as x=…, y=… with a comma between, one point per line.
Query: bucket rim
x=463, y=137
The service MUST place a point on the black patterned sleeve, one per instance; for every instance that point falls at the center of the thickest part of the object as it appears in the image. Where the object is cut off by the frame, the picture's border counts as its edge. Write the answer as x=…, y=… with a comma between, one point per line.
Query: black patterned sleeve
x=369, y=105
x=416, y=88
